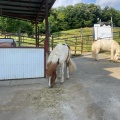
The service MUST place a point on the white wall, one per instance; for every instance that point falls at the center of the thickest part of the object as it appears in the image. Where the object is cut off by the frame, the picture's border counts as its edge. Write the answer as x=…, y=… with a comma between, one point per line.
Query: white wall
x=102, y=32
x=18, y=63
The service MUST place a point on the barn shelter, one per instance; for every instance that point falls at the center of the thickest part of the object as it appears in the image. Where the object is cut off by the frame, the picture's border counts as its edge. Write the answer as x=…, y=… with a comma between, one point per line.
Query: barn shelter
x=34, y=11
x=18, y=63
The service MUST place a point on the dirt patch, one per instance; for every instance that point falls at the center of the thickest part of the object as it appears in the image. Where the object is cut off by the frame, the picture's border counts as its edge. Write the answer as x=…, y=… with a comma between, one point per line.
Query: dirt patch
x=47, y=97
x=52, y=101
x=40, y=99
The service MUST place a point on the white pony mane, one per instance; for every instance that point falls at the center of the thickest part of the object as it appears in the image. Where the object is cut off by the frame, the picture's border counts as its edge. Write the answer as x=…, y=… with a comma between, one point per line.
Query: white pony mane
x=60, y=51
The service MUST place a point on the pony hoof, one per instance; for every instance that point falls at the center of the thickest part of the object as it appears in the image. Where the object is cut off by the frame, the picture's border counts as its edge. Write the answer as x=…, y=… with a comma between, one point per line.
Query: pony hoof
x=97, y=60
x=62, y=82
x=50, y=86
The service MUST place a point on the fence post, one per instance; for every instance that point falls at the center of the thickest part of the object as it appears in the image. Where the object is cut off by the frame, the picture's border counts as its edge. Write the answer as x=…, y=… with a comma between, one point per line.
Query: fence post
x=19, y=37
x=75, y=45
x=38, y=36
x=45, y=57
x=81, y=41
x=52, y=42
x=81, y=47
x=119, y=34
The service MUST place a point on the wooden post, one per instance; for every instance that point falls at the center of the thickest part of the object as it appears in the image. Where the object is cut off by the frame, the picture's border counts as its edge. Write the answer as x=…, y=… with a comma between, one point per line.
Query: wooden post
x=81, y=47
x=119, y=34
x=36, y=34
x=47, y=26
x=46, y=34
x=38, y=37
x=81, y=41
x=75, y=45
x=45, y=66
x=52, y=41
x=112, y=27
x=19, y=36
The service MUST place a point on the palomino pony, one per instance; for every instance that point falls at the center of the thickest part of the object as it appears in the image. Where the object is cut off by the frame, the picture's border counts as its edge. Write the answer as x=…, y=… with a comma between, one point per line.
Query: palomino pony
x=58, y=57
x=106, y=45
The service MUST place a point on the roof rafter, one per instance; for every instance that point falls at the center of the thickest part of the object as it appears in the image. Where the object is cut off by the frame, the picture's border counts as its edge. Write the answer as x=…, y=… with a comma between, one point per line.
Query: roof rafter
x=32, y=10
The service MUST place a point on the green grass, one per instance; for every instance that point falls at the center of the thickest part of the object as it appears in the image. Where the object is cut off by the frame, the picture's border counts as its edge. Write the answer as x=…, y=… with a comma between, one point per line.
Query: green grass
x=71, y=37
x=75, y=32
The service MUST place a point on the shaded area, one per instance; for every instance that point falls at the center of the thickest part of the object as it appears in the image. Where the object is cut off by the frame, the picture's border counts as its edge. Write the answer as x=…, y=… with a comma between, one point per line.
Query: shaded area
x=25, y=9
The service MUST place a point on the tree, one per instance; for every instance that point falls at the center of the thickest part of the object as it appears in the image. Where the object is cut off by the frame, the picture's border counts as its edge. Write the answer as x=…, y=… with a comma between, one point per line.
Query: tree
x=65, y=18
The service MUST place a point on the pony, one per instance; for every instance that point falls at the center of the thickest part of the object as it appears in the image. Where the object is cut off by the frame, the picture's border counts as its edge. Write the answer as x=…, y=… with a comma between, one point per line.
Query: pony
x=106, y=45
x=60, y=56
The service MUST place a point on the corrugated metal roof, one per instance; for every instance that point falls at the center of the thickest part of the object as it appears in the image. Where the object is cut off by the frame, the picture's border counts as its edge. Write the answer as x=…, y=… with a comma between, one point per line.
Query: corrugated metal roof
x=31, y=10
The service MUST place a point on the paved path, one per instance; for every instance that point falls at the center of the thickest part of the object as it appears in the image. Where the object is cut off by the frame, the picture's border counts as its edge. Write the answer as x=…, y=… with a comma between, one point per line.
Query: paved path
x=91, y=93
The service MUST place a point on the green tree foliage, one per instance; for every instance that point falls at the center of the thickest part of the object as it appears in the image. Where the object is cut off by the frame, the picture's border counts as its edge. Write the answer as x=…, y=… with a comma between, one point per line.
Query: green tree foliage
x=65, y=18
x=81, y=15
x=12, y=25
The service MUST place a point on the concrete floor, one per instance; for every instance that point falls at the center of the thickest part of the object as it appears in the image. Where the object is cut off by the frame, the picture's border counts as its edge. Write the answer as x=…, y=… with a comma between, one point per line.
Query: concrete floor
x=91, y=93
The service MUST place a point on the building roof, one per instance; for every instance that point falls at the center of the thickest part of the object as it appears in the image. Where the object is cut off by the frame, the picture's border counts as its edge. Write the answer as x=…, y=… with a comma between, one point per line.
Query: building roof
x=31, y=10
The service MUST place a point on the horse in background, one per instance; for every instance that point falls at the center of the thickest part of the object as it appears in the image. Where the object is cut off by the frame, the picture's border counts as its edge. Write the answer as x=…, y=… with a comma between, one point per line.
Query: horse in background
x=60, y=56
x=106, y=45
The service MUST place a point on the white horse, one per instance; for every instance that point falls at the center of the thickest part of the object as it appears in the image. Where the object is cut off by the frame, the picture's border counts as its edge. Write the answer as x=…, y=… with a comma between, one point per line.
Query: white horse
x=58, y=57
x=106, y=45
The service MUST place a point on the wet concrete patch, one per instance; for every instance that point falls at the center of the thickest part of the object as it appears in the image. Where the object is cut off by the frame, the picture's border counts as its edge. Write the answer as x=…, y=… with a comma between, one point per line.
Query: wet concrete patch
x=95, y=112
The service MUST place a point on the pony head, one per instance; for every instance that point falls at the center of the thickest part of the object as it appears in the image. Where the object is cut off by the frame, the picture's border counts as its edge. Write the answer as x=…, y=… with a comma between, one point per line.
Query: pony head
x=51, y=73
x=117, y=56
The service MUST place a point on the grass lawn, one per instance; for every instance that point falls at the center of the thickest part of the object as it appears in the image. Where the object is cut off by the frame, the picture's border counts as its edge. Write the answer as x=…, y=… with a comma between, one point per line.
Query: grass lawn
x=71, y=37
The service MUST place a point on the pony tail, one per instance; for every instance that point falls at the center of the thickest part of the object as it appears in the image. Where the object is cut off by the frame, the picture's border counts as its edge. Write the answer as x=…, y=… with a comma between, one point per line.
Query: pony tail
x=72, y=66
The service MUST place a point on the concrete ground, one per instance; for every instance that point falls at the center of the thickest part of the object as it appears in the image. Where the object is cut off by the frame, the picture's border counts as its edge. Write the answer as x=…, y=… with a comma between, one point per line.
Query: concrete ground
x=91, y=93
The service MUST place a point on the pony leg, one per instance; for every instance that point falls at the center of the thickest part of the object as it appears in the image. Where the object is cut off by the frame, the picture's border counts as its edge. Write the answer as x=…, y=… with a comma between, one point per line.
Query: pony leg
x=116, y=57
x=62, y=70
x=55, y=78
x=96, y=54
x=97, y=57
x=49, y=79
x=67, y=71
x=112, y=54
x=93, y=54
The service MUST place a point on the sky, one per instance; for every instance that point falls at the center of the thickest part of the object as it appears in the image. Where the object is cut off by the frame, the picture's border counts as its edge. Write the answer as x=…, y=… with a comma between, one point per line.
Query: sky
x=103, y=3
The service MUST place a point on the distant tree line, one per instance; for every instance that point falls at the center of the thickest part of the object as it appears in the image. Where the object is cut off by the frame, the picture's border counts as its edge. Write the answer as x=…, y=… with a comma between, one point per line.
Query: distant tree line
x=65, y=18
x=13, y=25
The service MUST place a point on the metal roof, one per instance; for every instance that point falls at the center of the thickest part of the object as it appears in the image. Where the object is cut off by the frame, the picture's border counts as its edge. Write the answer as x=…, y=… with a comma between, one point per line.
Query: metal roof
x=31, y=10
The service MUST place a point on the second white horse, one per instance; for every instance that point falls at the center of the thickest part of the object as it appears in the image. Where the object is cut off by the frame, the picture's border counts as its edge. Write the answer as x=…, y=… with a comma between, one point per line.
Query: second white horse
x=106, y=45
